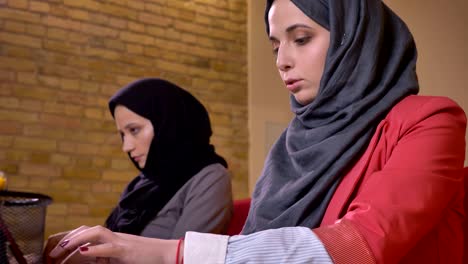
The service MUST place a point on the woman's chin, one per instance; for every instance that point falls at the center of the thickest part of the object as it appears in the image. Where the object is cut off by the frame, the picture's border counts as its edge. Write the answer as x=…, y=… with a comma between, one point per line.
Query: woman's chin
x=303, y=101
x=304, y=98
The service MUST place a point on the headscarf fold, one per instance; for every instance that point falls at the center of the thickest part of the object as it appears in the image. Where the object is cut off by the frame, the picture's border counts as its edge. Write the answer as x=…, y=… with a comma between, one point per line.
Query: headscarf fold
x=179, y=150
x=370, y=66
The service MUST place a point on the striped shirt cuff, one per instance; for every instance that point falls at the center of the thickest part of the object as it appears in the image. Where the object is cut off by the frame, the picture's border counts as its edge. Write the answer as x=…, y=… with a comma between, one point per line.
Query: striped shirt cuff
x=290, y=245
x=205, y=248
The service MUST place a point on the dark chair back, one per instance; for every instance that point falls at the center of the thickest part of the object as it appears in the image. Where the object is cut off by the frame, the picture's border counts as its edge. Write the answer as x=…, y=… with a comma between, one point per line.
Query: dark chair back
x=465, y=260
x=239, y=215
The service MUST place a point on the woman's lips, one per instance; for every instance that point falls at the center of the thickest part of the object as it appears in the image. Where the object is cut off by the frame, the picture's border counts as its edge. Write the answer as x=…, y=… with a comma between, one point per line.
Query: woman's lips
x=137, y=158
x=293, y=84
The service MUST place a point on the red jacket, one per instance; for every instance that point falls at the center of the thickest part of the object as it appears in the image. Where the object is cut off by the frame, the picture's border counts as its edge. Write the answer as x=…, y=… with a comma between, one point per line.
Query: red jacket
x=402, y=201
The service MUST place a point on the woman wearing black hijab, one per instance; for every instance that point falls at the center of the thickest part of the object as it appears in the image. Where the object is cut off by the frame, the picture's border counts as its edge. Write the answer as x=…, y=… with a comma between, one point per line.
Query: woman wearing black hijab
x=366, y=172
x=183, y=185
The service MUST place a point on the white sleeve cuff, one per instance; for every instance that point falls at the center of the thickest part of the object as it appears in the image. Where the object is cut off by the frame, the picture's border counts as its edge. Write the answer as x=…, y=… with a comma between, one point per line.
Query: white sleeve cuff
x=205, y=248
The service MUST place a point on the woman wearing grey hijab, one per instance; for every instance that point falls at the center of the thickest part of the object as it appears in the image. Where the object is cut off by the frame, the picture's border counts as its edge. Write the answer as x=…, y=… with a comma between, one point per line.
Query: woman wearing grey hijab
x=366, y=172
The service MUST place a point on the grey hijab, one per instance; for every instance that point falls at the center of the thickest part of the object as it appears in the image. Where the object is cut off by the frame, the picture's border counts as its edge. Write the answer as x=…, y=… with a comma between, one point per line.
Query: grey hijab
x=370, y=66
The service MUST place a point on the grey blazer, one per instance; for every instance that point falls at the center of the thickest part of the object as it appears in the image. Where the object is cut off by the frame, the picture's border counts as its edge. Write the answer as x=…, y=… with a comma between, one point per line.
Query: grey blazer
x=203, y=204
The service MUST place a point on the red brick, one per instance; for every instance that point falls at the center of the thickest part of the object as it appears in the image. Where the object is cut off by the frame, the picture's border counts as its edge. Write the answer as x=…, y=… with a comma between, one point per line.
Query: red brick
x=38, y=186
x=87, y=149
x=57, y=33
x=59, y=108
x=119, y=11
x=27, y=77
x=102, y=53
x=121, y=164
x=6, y=141
x=7, y=76
x=22, y=4
x=78, y=209
x=114, y=44
x=60, y=184
x=39, y=6
x=64, y=196
x=101, y=198
x=86, y=4
x=155, y=30
x=137, y=5
x=57, y=208
x=22, y=40
x=60, y=121
x=60, y=159
x=100, y=187
x=54, y=21
x=10, y=128
x=100, y=211
x=175, y=67
x=100, y=162
x=99, y=19
x=60, y=46
x=81, y=173
x=35, y=30
x=137, y=27
x=9, y=102
x=77, y=221
x=177, y=13
x=58, y=10
x=17, y=182
x=154, y=8
x=39, y=130
x=18, y=115
x=36, y=93
x=78, y=14
x=20, y=53
x=50, y=81
x=93, y=113
x=99, y=30
x=149, y=18
x=136, y=38
x=212, y=11
x=12, y=14
x=70, y=84
x=135, y=48
x=66, y=147
x=117, y=23
x=14, y=26
x=117, y=175
x=78, y=37
x=35, y=144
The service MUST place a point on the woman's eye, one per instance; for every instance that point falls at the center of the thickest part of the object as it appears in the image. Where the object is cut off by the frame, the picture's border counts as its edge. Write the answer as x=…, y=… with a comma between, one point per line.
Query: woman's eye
x=275, y=50
x=275, y=47
x=302, y=41
x=134, y=130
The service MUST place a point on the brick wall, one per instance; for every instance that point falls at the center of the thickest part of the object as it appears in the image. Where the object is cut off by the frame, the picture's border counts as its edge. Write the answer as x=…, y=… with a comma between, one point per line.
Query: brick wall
x=61, y=60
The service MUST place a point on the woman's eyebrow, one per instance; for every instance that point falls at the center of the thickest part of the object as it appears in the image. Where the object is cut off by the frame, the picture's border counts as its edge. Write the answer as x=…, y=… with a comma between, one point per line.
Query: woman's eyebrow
x=292, y=28
x=129, y=125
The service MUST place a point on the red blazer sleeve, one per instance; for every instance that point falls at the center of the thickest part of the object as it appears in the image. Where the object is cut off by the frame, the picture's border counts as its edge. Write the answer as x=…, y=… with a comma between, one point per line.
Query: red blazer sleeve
x=420, y=149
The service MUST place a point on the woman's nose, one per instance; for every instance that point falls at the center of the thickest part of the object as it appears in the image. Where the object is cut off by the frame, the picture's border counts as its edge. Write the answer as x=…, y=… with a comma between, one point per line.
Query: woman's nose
x=127, y=145
x=284, y=60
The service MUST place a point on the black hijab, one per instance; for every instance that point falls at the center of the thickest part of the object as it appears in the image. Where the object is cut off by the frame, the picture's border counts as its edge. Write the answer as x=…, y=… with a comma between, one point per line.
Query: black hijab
x=179, y=150
x=370, y=66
